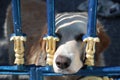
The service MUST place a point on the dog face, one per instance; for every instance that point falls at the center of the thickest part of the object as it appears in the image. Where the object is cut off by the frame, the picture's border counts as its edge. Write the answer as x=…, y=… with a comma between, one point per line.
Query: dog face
x=68, y=57
x=70, y=50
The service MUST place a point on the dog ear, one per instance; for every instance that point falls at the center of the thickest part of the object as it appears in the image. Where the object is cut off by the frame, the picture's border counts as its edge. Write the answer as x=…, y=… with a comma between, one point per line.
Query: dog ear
x=37, y=53
x=104, y=39
x=103, y=44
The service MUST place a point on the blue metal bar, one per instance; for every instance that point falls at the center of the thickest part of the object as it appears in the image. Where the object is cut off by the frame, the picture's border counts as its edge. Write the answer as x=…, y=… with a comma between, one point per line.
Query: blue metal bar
x=51, y=17
x=16, y=17
x=33, y=73
x=92, y=71
x=39, y=75
x=14, y=73
x=37, y=72
x=15, y=67
x=92, y=12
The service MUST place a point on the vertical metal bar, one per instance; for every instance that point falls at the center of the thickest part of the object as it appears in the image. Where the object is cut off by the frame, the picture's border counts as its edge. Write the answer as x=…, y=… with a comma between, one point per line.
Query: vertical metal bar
x=51, y=17
x=33, y=73
x=39, y=74
x=92, y=12
x=91, y=38
x=16, y=11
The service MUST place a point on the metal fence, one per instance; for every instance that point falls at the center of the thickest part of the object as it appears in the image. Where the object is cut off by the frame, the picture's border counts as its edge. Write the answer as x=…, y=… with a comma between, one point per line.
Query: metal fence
x=38, y=72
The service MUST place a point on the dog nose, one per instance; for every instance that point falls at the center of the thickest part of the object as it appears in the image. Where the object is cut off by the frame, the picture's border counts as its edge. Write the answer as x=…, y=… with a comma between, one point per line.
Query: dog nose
x=63, y=62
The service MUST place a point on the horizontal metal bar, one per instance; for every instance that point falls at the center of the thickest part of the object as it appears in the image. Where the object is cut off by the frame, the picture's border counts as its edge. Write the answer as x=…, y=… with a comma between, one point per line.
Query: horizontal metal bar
x=15, y=67
x=48, y=71
x=13, y=73
x=89, y=71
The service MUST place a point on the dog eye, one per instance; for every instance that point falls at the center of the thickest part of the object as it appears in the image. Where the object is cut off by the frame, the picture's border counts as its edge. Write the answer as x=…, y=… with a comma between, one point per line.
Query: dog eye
x=59, y=35
x=79, y=37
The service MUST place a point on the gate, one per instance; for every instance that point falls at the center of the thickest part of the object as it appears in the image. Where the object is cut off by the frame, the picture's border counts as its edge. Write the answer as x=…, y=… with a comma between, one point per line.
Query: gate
x=38, y=72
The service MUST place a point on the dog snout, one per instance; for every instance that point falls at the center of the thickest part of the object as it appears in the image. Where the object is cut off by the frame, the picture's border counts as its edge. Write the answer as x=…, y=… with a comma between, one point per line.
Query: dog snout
x=63, y=62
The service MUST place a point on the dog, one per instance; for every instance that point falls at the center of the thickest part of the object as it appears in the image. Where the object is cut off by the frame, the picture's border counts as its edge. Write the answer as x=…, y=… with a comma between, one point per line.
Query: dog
x=70, y=28
x=70, y=51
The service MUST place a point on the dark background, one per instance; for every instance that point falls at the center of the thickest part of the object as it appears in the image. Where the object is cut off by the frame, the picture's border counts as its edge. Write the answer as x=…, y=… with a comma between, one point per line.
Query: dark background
x=3, y=6
x=112, y=25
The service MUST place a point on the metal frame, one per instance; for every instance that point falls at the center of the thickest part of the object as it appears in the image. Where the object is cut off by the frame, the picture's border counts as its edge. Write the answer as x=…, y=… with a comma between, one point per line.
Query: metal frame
x=38, y=72
x=48, y=71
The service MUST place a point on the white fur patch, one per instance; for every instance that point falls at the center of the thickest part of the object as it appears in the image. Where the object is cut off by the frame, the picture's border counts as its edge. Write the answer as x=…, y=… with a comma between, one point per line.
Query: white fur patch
x=69, y=23
x=68, y=17
x=71, y=51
